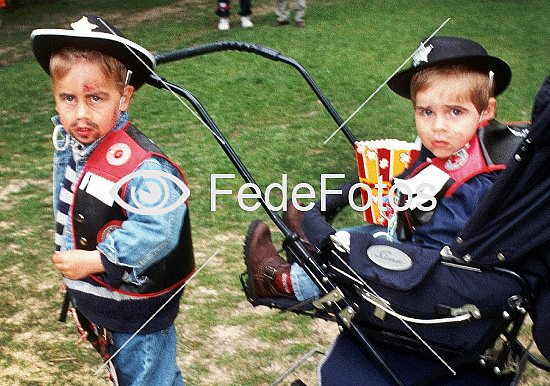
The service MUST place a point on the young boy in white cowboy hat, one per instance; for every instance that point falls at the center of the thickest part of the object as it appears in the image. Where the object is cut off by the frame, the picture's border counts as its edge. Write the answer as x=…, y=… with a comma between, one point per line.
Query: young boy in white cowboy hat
x=120, y=255
x=452, y=84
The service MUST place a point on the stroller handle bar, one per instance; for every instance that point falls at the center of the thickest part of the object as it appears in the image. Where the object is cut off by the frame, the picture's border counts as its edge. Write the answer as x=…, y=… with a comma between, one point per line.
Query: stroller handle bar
x=218, y=46
x=266, y=52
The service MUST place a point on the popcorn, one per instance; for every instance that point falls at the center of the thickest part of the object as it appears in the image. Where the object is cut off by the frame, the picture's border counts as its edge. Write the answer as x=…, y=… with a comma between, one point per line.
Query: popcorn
x=385, y=158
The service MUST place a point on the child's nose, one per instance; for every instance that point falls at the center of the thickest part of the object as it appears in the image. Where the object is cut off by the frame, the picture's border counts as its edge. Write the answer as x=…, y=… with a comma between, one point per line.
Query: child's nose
x=82, y=110
x=440, y=123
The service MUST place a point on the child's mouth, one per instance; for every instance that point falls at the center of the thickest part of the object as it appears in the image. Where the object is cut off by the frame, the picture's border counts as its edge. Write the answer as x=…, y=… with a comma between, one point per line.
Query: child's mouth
x=439, y=144
x=83, y=131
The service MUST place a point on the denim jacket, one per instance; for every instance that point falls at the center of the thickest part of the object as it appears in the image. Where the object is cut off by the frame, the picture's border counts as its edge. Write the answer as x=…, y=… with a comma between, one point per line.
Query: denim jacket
x=143, y=239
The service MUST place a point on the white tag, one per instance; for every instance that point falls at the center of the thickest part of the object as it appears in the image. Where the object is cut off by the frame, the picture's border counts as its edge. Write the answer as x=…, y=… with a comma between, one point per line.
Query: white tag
x=98, y=187
x=430, y=176
x=85, y=180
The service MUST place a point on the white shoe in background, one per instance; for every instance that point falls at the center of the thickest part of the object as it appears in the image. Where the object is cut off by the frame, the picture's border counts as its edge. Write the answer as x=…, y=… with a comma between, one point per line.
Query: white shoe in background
x=223, y=25
x=245, y=22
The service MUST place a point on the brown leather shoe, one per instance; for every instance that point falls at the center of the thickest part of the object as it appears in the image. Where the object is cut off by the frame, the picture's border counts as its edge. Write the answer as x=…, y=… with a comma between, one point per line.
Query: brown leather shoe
x=263, y=264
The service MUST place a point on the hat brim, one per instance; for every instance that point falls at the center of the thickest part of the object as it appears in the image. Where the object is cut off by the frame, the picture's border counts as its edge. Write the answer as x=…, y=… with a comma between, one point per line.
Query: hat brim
x=401, y=82
x=133, y=56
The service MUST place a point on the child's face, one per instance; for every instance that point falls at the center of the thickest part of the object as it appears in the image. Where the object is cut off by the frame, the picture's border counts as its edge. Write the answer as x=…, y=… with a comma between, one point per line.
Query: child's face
x=88, y=102
x=446, y=118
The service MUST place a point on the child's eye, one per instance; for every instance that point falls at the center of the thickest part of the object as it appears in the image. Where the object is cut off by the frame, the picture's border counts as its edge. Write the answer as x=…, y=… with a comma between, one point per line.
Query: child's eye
x=456, y=112
x=69, y=98
x=427, y=112
x=95, y=98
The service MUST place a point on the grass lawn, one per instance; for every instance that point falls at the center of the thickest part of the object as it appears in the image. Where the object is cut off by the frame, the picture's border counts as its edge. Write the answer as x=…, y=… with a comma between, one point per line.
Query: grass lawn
x=272, y=120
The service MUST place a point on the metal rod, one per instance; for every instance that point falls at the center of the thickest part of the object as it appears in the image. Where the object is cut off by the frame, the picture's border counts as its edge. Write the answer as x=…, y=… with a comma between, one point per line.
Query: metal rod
x=310, y=353
x=247, y=177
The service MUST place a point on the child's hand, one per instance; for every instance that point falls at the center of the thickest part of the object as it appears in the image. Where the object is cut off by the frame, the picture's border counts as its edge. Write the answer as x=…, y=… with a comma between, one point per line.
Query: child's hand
x=77, y=263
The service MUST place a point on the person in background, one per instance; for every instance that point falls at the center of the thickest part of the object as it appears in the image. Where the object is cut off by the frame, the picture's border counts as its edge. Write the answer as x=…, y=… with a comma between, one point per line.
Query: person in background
x=282, y=10
x=223, y=10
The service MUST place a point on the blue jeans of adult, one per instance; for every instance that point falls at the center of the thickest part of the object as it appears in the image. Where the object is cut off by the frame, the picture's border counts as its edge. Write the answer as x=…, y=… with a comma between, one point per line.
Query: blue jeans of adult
x=304, y=287
x=148, y=359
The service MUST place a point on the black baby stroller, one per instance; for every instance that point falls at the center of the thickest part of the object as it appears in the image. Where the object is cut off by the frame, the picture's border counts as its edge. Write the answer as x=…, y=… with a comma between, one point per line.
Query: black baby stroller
x=460, y=311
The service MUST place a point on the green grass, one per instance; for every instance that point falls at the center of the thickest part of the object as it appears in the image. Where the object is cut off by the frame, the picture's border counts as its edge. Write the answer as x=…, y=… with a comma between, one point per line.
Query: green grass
x=272, y=120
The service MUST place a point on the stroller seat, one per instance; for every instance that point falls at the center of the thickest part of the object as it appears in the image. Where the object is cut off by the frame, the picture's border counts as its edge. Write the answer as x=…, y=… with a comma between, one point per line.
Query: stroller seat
x=483, y=347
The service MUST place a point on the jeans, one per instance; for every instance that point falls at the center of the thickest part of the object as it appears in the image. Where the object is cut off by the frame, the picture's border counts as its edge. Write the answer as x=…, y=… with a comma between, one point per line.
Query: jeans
x=282, y=10
x=148, y=359
x=304, y=287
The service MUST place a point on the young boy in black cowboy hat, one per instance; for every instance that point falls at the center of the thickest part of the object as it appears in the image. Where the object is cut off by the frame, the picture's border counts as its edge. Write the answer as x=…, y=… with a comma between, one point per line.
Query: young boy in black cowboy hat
x=121, y=255
x=452, y=84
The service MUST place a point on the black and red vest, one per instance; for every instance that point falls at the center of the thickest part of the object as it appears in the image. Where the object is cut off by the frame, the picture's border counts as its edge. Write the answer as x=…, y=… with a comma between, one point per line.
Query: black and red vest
x=120, y=153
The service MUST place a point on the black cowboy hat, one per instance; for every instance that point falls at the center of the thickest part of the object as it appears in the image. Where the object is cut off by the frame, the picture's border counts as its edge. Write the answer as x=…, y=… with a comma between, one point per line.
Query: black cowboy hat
x=451, y=50
x=93, y=33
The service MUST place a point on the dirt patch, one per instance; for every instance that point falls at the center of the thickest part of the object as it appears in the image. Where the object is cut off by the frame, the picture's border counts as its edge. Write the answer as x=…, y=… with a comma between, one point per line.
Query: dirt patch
x=126, y=20
x=14, y=187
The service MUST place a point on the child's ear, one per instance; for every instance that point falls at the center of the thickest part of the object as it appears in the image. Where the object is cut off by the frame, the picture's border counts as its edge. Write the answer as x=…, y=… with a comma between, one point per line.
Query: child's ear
x=490, y=111
x=126, y=97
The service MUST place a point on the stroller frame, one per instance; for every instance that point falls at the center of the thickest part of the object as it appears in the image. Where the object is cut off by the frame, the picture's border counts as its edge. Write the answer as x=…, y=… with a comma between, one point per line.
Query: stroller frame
x=500, y=351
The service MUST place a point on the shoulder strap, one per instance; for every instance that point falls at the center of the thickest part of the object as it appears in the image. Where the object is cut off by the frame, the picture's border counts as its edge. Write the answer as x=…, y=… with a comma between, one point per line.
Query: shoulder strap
x=499, y=140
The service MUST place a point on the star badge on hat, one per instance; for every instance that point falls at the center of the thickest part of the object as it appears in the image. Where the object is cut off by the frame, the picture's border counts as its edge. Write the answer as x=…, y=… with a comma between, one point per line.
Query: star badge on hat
x=421, y=54
x=83, y=25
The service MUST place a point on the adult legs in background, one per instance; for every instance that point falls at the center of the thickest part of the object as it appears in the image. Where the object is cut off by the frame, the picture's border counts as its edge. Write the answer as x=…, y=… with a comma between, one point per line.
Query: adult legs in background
x=223, y=10
x=282, y=11
x=300, y=10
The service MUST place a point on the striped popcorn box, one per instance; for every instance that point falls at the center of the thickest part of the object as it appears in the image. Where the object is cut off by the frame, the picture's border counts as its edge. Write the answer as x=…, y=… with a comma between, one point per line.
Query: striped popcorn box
x=381, y=159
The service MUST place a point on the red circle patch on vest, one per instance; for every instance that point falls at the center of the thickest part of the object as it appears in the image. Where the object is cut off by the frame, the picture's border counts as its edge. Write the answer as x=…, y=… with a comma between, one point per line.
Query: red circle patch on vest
x=118, y=154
